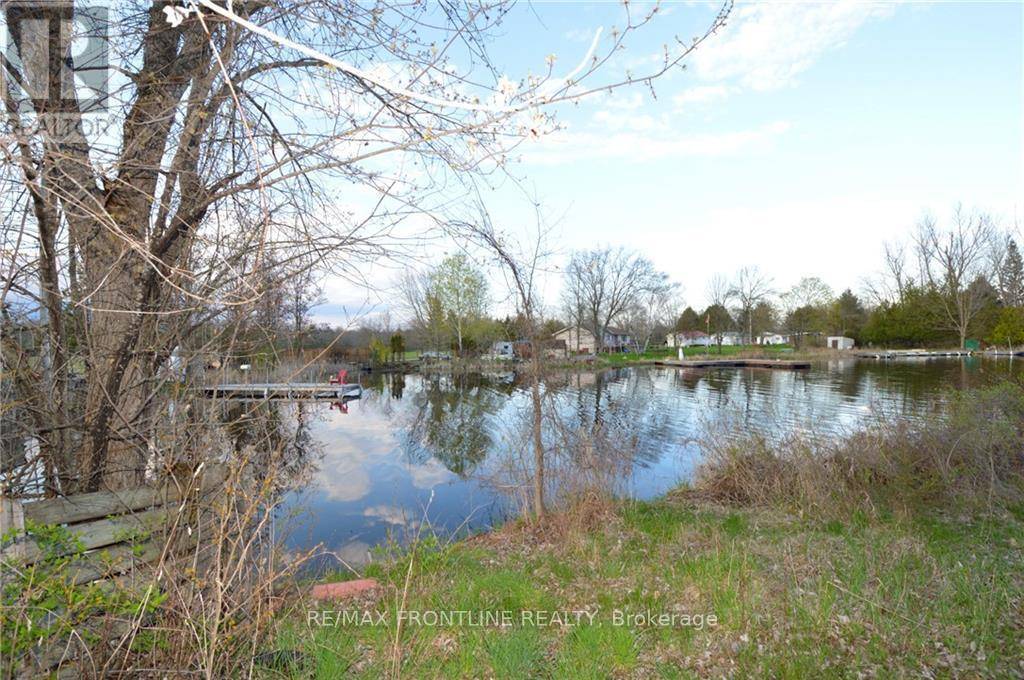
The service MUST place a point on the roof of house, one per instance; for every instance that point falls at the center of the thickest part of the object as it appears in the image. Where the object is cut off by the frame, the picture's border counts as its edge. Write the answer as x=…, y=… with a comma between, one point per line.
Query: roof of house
x=611, y=330
x=691, y=334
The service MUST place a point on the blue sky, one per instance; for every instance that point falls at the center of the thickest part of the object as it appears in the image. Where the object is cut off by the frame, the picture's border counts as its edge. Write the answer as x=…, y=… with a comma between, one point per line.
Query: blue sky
x=798, y=139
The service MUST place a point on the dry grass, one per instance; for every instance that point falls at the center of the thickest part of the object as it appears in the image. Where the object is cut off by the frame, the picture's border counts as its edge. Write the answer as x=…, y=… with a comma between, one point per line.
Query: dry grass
x=934, y=596
x=934, y=592
x=974, y=452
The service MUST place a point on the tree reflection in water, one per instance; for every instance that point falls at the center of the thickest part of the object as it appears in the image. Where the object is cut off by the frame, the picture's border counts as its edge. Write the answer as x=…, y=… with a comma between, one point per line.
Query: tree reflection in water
x=276, y=436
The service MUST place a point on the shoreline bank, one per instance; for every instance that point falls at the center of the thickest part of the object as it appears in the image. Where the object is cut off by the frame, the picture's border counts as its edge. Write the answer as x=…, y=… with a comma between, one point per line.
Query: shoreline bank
x=897, y=552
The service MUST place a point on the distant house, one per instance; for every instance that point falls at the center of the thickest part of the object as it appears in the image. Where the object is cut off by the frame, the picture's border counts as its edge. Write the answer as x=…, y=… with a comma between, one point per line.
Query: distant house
x=553, y=348
x=688, y=339
x=839, y=342
x=581, y=340
x=728, y=338
x=503, y=349
x=770, y=339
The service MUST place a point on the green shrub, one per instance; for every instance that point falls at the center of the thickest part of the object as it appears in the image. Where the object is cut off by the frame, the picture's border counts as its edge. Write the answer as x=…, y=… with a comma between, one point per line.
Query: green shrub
x=44, y=607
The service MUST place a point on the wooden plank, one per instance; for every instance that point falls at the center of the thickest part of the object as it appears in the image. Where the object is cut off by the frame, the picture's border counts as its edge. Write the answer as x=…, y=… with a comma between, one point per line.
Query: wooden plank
x=105, y=531
x=86, y=506
x=12, y=517
x=113, y=560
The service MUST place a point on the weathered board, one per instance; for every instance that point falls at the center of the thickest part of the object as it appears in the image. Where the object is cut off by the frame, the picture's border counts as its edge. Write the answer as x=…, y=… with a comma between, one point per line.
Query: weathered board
x=118, y=530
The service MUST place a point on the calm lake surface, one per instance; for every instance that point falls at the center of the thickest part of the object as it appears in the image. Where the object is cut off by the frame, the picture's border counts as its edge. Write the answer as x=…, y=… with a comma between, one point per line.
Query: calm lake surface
x=445, y=450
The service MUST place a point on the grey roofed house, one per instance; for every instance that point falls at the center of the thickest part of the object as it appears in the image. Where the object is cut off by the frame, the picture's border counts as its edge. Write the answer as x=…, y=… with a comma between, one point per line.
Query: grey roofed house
x=581, y=340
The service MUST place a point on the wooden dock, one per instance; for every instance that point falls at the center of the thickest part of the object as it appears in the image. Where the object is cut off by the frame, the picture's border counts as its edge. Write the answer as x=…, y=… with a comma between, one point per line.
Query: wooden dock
x=779, y=364
x=913, y=354
x=284, y=391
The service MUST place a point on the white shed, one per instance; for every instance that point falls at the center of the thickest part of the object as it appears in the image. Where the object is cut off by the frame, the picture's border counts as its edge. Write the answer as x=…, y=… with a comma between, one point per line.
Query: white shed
x=503, y=349
x=838, y=342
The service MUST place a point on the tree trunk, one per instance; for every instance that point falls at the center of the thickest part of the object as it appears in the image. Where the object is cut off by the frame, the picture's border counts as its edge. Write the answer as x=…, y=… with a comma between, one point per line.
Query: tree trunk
x=538, y=441
x=116, y=383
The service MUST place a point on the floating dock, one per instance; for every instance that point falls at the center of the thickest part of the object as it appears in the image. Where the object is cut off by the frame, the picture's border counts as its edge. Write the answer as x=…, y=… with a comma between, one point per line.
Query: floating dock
x=780, y=364
x=913, y=354
x=284, y=391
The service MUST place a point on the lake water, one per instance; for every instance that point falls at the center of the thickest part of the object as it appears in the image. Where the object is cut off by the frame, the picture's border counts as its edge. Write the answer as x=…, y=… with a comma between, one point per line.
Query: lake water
x=443, y=452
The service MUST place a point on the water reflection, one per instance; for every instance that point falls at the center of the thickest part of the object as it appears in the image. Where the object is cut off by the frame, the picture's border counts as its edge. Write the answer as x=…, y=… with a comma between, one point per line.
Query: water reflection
x=430, y=448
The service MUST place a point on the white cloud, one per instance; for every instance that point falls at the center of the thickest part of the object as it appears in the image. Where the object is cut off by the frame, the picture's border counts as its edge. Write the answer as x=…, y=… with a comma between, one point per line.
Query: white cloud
x=392, y=515
x=354, y=444
x=430, y=474
x=614, y=120
x=766, y=45
x=630, y=101
x=702, y=94
x=356, y=553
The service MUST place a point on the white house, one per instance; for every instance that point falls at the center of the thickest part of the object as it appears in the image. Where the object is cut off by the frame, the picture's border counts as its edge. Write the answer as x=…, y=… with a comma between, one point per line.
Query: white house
x=582, y=341
x=728, y=338
x=838, y=342
x=770, y=339
x=688, y=339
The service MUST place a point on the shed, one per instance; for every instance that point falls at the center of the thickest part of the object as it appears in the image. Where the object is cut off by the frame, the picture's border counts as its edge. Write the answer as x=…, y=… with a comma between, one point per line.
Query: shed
x=503, y=349
x=839, y=342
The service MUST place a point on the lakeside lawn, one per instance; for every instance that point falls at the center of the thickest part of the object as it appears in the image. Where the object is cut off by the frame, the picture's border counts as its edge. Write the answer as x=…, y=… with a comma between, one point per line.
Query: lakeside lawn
x=933, y=594
x=656, y=353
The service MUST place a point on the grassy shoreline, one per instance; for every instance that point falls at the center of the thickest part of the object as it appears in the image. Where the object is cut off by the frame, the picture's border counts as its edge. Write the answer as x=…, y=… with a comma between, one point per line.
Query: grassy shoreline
x=896, y=552
x=939, y=593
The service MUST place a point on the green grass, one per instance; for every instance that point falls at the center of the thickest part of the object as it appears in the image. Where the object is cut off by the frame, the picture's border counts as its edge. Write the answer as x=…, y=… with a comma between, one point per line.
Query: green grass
x=938, y=593
x=653, y=354
x=732, y=350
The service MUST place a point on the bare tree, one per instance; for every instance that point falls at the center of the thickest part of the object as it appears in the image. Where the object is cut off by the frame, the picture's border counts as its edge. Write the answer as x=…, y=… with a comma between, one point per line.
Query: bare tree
x=608, y=282
x=810, y=291
x=892, y=283
x=573, y=308
x=301, y=295
x=521, y=263
x=952, y=261
x=655, y=308
x=213, y=174
x=750, y=288
x=719, y=290
x=421, y=308
x=413, y=288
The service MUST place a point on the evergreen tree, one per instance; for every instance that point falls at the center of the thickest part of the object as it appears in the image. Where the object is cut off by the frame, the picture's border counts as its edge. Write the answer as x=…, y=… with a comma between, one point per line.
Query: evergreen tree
x=689, y=320
x=717, y=321
x=1010, y=329
x=1011, y=276
x=848, y=314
